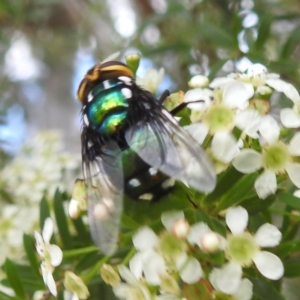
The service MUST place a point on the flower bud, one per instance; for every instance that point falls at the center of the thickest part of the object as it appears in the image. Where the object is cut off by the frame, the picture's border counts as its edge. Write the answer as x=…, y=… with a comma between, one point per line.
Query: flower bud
x=109, y=275
x=74, y=284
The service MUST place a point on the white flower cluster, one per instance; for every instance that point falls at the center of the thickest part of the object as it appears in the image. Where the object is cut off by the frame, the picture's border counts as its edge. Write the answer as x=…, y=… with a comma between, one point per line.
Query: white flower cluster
x=51, y=256
x=40, y=167
x=240, y=103
x=162, y=263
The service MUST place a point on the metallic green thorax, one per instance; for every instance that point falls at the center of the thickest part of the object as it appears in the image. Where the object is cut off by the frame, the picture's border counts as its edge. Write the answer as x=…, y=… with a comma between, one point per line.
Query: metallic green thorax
x=106, y=107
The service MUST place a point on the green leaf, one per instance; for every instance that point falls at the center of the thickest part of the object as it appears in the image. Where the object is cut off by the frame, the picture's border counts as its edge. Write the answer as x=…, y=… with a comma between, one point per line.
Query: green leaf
x=31, y=255
x=225, y=182
x=290, y=200
x=263, y=31
x=238, y=192
x=129, y=223
x=287, y=248
x=14, y=279
x=83, y=235
x=212, y=223
x=44, y=211
x=255, y=205
x=219, y=36
x=265, y=290
x=292, y=268
x=61, y=220
x=291, y=44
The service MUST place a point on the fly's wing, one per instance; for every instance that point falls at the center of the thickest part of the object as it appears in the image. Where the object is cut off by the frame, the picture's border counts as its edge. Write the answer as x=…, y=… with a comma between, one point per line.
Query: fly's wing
x=103, y=175
x=164, y=145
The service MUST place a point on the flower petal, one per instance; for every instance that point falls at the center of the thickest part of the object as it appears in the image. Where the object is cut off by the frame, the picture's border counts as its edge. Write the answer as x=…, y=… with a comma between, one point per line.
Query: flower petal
x=144, y=239
x=265, y=184
x=220, y=82
x=248, y=121
x=289, y=118
x=244, y=291
x=247, y=161
x=49, y=281
x=269, y=265
x=168, y=218
x=136, y=265
x=153, y=268
x=193, y=97
x=268, y=235
x=269, y=129
x=294, y=146
x=288, y=89
x=237, y=219
x=293, y=170
x=227, y=279
x=236, y=94
x=40, y=246
x=189, y=269
x=47, y=230
x=198, y=131
x=56, y=255
x=126, y=275
x=224, y=146
x=196, y=233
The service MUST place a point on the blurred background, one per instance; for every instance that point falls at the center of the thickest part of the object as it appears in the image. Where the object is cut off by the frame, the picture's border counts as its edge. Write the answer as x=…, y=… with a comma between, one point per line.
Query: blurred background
x=46, y=46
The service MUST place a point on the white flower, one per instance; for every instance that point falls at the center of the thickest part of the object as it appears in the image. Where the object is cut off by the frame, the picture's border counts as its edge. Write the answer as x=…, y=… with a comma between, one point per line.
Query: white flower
x=51, y=254
x=256, y=76
x=228, y=280
x=150, y=261
x=252, y=123
x=151, y=80
x=175, y=222
x=224, y=146
x=189, y=269
x=147, y=261
x=132, y=289
x=198, y=81
x=290, y=117
x=243, y=248
x=207, y=240
x=276, y=159
x=198, y=99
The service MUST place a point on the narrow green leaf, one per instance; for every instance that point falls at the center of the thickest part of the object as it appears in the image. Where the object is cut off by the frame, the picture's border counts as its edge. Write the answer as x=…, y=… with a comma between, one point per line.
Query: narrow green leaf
x=255, y=205
x=290, y=200
x=291, y=43
x=238, y=192
x=225, y=182
x=263, y=31
x=218, y=35
x=265, y=290
x=129, y=223
x=292, y=268
x=287, y=248
x=31, y=255
x=44, y=211
x=14, y=279
x=83, y=235
x=61, y=220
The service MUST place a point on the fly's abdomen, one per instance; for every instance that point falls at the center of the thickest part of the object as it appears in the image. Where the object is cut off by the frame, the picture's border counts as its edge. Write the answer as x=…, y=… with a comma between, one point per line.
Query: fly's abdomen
x=143, y=182
x=106, y=108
